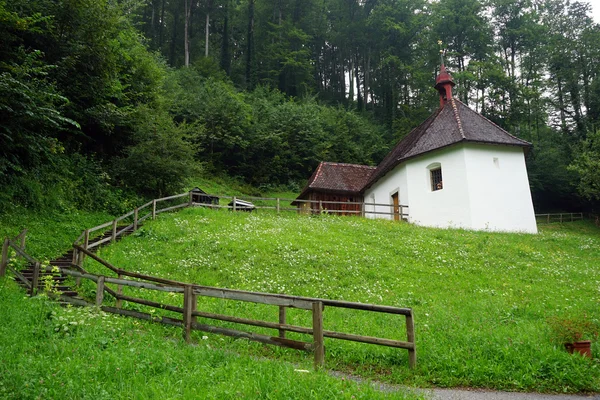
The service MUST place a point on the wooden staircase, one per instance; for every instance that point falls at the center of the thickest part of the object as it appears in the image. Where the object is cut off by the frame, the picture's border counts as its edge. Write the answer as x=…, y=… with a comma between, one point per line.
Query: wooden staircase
x=57, y=281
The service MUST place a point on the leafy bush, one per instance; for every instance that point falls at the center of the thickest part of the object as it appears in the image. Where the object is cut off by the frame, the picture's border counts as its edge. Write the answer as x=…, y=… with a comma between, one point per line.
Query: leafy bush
x=162, y=159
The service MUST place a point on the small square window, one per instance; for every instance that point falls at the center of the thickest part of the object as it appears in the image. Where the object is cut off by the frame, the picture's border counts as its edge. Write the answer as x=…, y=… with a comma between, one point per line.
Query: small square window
x=436, y=179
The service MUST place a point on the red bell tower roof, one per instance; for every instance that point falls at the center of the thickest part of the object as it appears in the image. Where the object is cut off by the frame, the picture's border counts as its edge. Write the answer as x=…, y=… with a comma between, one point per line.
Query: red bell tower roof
x=444, y=84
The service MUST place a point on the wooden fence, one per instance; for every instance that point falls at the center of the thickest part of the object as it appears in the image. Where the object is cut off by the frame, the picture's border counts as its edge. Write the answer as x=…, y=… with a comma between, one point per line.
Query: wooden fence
x=559, y=217
x=190, y=313
x=18, y=245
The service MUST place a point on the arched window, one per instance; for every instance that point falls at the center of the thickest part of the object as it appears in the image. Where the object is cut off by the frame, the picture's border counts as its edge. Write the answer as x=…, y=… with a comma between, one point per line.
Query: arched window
x=435, y=176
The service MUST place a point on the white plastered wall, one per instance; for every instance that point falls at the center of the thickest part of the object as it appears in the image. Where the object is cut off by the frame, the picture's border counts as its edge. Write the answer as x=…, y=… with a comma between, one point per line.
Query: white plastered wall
x=381, y=193
x=500, y=196
x=448, y=207
x=485, y=187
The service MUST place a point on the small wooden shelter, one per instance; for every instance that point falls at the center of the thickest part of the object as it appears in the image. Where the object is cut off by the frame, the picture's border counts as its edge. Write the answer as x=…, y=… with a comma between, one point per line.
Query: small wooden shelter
x=199, y=196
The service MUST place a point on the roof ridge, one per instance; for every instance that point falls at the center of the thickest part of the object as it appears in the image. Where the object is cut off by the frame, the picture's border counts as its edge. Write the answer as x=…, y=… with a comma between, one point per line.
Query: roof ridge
x=347, y=164
x=316, y=174
x=457, y=117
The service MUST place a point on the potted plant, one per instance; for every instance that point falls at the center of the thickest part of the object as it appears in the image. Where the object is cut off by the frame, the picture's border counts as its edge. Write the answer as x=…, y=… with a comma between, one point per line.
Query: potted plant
x=576, y=334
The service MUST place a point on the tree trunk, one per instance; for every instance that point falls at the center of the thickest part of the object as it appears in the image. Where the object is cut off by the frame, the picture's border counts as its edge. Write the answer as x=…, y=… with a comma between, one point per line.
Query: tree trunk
x=561, y=105
x=359, y=100
x=225, y=61
x=160, y=27
x=186, y=39
x=250, y=44
x=351, y=78
x=367, y=77
x=174, y=37
x=206, y=33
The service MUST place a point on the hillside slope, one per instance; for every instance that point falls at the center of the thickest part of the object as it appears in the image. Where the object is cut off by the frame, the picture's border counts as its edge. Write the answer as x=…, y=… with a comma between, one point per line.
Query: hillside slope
x=484, y=302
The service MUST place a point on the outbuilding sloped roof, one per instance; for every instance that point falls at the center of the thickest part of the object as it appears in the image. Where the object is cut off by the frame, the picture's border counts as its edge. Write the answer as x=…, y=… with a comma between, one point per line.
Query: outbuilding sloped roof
x=453, y=123
x=339, y=177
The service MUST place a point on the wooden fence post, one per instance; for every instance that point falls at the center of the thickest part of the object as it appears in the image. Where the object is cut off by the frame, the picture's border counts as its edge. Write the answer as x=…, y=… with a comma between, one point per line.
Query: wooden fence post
x=187, y=312
x=81, y=257
x=4, y=262
x=119, y=302
x=410, y=336
x=99, y=291
x=362, y=209
x=194, y=306
x=23, y=234
x=75, y=256
x=35, y=279
x=548, y=218
x=234, y=203
x=154, y=209
x=319, y=346
x=401, y=211
x=282, y=320
x=86, y=243
x=190, y=200
x=278, y=208
x=114, y=231
x=320, y=206
x=135, y=219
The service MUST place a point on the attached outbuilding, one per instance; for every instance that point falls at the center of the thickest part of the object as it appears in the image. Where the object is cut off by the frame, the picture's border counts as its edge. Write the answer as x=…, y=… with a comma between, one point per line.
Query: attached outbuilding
x=336, y=188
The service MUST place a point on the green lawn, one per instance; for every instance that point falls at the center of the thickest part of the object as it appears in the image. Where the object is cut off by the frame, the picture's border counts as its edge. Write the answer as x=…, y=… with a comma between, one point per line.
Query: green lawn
x=483, y=304
x=482, y=300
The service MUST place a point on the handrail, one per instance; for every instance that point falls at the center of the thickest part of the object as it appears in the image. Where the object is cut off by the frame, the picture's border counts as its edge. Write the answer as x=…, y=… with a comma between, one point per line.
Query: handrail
x=175, y=196
x=96, y=228
x=122, y=217
x=20, y=252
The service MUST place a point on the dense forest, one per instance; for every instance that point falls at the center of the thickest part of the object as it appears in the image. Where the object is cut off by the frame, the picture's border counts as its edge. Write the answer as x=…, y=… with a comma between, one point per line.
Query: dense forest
x=106, y=101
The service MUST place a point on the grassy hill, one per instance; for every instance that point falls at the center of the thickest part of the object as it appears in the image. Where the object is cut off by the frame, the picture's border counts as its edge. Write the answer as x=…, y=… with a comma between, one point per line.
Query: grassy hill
x=485, y=302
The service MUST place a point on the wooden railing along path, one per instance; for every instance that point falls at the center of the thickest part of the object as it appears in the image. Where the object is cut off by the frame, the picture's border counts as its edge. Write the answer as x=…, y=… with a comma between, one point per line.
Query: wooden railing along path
x=190, y=313
x=86, y=243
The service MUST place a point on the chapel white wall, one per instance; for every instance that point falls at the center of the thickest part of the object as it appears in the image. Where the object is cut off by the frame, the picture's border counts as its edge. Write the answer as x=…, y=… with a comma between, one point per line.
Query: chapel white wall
x=381, y=193
x=445, y=208
x=500, y=197
x=485, y=187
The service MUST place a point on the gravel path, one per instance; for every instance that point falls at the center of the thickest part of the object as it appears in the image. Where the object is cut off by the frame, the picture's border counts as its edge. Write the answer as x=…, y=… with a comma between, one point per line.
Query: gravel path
x=454, y=394
x=470, y=394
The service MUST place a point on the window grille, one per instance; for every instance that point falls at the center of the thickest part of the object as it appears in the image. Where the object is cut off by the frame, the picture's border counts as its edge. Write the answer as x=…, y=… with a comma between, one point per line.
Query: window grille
x=436, y=179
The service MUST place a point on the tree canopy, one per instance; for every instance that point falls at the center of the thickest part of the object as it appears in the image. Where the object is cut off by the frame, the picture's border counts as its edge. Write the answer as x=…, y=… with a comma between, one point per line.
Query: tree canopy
x=265, y=89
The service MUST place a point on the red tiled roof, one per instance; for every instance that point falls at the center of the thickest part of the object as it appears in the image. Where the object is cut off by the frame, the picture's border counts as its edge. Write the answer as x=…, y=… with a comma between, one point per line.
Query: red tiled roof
x=338, y=177
x=453, y=123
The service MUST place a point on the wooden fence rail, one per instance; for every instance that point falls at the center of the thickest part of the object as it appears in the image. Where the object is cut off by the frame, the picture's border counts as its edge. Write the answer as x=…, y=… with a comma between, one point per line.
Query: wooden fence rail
x=559, y=217
x=189, y=311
